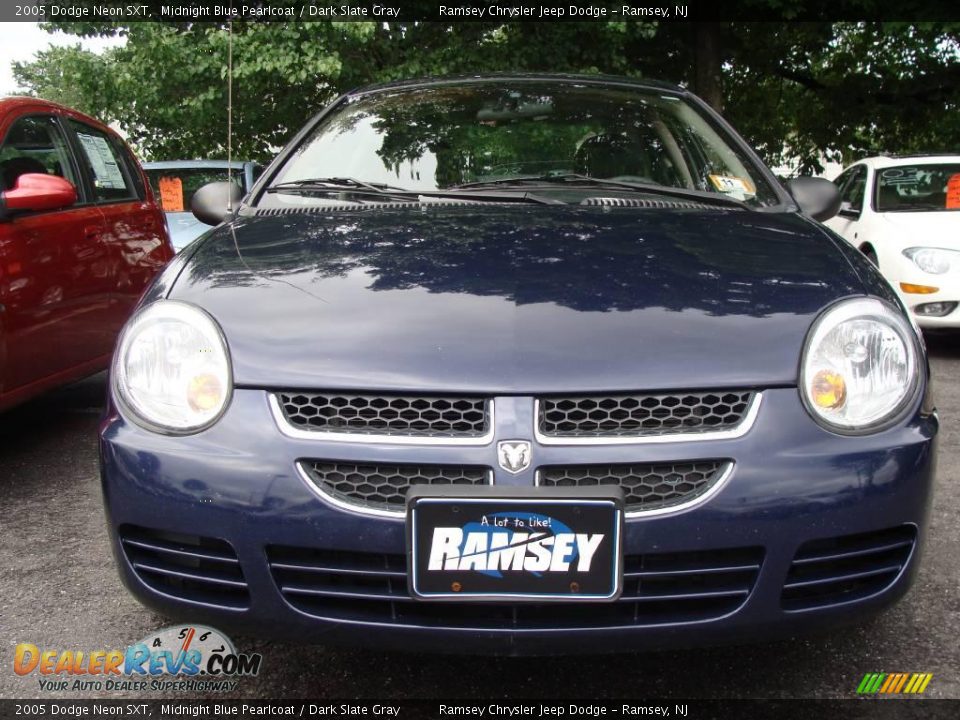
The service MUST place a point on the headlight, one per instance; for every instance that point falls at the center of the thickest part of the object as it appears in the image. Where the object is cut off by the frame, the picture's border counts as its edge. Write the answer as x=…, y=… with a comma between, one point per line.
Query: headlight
x=860, y=366
x=172, y=369
x=933, y=260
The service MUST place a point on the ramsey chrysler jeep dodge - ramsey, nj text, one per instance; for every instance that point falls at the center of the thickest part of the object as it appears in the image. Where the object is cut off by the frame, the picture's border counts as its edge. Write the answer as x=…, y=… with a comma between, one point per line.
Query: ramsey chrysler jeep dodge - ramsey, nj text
x=519, y=364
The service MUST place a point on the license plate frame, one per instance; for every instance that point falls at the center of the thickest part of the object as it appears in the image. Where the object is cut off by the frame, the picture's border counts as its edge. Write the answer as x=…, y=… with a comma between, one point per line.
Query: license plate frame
x=574, y=513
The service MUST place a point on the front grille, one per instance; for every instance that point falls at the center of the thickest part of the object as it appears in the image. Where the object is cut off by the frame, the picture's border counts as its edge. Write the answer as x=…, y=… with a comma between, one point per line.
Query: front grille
x=188, y=567
x=659, y=589
x=598, y=416
x=844, y=569
x=645, y=486
x=418, y=416
x=384, y=487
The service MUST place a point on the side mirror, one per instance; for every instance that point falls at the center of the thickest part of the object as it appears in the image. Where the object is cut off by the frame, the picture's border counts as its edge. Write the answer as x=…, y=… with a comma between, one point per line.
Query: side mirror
x=209, y=204
x=817, y=197
x=38, y=192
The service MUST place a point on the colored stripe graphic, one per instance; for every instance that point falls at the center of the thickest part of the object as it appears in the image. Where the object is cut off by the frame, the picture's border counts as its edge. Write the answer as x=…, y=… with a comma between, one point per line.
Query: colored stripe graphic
x=894, y=683
x=890, y=682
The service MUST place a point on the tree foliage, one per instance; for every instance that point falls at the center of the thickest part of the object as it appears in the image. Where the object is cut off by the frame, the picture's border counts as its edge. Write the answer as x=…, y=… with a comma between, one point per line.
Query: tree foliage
x=795, y=90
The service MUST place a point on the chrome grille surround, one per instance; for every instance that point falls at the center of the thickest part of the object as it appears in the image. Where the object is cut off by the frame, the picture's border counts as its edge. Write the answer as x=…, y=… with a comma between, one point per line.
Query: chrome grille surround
x=645, y=418
x=435, y=420
x=648, y=488
x=381, y=488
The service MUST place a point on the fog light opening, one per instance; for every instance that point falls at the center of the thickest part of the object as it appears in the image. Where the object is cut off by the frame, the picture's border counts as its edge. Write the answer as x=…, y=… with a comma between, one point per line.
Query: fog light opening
x=935, y=309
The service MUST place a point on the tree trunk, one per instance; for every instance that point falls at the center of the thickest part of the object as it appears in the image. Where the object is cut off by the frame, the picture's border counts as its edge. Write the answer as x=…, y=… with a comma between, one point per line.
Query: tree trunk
x=708, y=78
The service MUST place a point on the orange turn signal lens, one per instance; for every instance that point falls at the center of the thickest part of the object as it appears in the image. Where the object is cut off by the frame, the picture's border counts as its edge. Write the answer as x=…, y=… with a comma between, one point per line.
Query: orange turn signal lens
x=204, y=392
x=828, y=390
x=918, y=289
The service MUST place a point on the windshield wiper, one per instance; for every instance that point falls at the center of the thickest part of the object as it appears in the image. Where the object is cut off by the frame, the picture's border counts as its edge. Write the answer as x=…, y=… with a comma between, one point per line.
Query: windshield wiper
x=574, y=178
x=361, y=187
x=337, y=184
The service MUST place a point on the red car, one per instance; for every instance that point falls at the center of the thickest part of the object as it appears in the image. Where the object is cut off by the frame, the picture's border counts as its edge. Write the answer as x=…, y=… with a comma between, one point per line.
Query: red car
x=81, y=236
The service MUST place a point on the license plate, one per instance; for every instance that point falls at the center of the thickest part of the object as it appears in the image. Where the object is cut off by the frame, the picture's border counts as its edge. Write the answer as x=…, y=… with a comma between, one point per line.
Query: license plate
x=515, y=544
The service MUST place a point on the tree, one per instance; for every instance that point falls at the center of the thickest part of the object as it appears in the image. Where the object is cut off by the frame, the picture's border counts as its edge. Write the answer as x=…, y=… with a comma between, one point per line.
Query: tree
x=71, y=76
x=795, y=90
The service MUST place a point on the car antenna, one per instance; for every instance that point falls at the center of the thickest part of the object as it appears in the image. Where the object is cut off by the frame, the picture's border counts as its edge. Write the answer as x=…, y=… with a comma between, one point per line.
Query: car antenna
x=230, y=108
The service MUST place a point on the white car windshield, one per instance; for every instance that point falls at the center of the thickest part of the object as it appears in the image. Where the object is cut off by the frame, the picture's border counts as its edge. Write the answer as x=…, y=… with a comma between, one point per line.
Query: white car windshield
x=918, y=188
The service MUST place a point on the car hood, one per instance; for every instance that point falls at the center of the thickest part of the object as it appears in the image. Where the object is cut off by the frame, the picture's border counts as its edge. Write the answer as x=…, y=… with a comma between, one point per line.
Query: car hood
x=516, y=299
x=930, y=229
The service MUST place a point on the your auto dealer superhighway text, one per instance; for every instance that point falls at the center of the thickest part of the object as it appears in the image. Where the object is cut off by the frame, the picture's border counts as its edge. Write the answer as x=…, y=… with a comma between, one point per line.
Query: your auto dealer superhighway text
x=573, y=709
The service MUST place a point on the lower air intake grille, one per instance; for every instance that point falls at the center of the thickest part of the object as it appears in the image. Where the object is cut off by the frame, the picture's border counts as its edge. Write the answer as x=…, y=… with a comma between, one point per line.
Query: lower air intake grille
x=659, y=589
x=645, y=486
x=384, y=487
x=598, y=416
x=848, y=568
x=188, y=567
x=417, y=416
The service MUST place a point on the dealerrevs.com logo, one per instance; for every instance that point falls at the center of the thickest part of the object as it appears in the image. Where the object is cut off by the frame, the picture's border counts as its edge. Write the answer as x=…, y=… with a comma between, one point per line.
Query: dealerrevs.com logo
x=182, y=657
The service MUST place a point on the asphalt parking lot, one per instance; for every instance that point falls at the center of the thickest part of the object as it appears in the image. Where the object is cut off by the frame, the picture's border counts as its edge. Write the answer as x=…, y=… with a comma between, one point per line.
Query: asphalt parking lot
x=58, y=589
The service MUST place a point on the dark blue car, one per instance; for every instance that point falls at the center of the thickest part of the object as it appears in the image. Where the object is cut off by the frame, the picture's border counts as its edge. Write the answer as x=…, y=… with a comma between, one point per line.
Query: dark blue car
x=519, y=364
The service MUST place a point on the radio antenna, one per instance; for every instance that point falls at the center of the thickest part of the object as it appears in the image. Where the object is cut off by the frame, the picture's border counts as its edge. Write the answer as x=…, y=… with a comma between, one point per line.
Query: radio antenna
x=230, y=108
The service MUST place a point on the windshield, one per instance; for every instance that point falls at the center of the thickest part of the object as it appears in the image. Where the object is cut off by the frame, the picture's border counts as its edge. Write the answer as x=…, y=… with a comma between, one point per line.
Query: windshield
x=444, y=136
x=174, y=188
x=918, y=188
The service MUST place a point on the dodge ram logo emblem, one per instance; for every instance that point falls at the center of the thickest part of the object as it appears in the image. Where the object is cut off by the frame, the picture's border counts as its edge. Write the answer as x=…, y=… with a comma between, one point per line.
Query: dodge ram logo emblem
x=514, y=455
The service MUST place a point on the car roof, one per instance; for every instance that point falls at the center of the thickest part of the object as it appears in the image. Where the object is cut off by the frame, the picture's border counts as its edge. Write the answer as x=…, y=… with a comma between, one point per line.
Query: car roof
x=187, y=164
x=12, y=103
x=885, y=161
x=608, y=80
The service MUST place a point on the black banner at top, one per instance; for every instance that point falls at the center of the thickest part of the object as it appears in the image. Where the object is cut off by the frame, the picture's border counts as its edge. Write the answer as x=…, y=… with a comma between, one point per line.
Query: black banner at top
x=491, y=11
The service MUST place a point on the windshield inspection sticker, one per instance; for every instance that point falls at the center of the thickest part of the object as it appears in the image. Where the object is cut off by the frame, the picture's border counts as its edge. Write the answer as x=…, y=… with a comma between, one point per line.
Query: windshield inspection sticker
x=735, y=187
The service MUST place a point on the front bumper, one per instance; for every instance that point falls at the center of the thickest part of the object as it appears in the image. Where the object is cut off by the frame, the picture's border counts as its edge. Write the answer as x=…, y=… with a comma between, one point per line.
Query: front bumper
x=948, y=291
x=792, y=483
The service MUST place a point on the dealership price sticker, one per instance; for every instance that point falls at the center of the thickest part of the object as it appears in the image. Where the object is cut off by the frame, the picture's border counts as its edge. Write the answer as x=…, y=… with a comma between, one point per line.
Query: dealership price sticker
x=171, y=193
x=953, y=192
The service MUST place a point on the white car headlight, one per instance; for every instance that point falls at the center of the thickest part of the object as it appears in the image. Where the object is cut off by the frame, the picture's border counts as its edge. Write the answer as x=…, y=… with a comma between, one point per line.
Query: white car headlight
x=935, y=261
x=860, y=366
x=172, y=369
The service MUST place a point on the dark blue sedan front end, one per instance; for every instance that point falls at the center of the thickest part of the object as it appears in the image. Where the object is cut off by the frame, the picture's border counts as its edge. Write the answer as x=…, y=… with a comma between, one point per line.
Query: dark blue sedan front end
x=740, y=395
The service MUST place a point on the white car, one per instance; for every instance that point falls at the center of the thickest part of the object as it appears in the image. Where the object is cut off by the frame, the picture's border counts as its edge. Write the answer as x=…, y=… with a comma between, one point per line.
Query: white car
x=904, y=214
